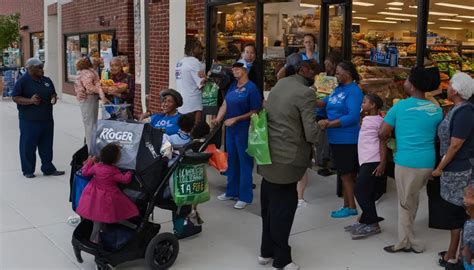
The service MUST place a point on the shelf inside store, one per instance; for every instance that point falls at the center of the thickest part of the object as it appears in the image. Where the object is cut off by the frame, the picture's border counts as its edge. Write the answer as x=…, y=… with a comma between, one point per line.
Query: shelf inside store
x=407, y=57
x=452, y=60
x=443, y=45
x=398, y=42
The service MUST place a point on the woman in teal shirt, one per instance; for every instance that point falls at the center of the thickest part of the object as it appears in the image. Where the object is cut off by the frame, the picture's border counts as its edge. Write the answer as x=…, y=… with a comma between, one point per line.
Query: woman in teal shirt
x=415, y=121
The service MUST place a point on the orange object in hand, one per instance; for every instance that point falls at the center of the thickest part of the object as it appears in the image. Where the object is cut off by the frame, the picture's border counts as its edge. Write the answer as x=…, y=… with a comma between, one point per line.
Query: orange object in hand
x=218, y=159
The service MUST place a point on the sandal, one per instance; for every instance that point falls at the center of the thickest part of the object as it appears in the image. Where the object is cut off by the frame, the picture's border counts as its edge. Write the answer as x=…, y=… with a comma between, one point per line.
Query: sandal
x=391, y=249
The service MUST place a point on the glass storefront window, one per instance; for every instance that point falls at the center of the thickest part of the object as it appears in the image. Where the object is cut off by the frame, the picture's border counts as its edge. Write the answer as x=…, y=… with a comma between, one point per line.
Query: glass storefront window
x=235, y=27
x=82, y=45
x=37, y=45
x=73, y=53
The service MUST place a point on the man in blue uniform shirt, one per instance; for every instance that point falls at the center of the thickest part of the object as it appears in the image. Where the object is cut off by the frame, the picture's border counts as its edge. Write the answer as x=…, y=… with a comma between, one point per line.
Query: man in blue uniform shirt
x=35, y=96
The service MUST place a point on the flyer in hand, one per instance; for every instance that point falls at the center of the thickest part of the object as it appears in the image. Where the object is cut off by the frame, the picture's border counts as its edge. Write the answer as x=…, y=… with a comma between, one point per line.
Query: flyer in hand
x=324, y=84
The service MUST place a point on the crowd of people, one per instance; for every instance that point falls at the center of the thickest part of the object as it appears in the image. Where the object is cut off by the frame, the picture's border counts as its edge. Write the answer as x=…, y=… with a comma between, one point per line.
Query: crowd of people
x=345, y=127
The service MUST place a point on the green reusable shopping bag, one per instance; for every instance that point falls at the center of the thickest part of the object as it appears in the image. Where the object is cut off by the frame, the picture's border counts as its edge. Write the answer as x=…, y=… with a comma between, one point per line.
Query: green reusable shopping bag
x=258, y=139
x=209, y=94
x=190, y=184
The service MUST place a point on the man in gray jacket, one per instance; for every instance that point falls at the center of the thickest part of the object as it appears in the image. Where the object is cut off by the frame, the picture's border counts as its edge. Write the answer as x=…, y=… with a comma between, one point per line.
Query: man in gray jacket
x=292, y=129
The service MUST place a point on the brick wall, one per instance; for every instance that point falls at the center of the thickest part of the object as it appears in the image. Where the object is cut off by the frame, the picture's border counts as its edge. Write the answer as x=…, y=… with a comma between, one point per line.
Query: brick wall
x=158, y=51
x=195, y=17
x=81, y=16
x=31, y=15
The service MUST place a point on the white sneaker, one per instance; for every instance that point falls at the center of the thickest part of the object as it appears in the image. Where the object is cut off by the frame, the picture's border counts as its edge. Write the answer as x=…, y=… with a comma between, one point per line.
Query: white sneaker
x=240, y=205
x=74, y=220
x=290, y=266
x=223, y=197
x=263, y=261
x=301, y=203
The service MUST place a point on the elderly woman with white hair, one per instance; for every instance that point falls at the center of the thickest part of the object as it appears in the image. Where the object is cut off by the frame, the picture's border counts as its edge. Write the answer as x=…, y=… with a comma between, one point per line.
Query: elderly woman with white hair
x=456, y=134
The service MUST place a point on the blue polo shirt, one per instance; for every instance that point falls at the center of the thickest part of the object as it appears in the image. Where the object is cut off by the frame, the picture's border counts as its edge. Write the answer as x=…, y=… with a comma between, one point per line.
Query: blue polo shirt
x=168, y=123
x=243, y=100
x=344, y=104
x=26, y=87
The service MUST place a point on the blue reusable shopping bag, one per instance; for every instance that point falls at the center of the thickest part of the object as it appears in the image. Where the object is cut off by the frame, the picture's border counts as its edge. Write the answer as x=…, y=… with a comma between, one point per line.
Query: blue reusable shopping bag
x=80, y=182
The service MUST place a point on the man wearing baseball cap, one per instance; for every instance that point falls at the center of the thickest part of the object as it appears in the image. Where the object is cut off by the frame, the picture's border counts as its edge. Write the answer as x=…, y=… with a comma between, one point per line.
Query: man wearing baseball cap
x=35, y=96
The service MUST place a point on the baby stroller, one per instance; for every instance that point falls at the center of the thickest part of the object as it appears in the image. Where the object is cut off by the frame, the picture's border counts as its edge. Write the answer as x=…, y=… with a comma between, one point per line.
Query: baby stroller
x=147, y=190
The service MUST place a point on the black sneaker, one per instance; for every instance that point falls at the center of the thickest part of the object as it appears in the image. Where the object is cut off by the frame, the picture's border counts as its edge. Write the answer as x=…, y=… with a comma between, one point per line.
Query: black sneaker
x=29, y=175
x=55, y=173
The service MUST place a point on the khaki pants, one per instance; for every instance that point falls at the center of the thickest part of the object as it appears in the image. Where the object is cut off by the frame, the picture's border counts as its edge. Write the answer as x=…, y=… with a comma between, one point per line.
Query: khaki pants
x=89, y=110
x=409, y=183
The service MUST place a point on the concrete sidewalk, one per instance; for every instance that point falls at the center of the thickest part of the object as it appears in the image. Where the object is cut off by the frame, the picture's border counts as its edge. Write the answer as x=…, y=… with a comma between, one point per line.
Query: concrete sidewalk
x=34, y=233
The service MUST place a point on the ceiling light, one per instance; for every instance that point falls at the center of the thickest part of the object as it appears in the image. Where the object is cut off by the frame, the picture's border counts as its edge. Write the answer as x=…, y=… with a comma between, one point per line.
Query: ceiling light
x=359, y=18
x=443, y=13
x=467, y=17
x=219, y=12
x=472, y=20
x=308, y=5
x=353, y=11
x=431, y=23
x=449, y=20
x=394, y=8
x=451, y=28
x=397, y=14
x=363, y=4
x=380, y=21
x=397, y=19
x=455, y=6
x=236, y=3
x=395, y=3
x=413, y=6
x=355, y=23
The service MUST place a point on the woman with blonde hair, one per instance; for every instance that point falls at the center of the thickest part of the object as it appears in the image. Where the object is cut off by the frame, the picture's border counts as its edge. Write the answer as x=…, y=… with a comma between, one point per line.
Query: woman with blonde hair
x=88, y=91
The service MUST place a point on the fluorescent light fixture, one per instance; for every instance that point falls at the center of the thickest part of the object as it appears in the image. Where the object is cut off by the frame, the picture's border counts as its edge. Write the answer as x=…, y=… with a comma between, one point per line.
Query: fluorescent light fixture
x=308, y=5
x=380, y=21
x=466, y=17
x=449, y=20
x=397, y=14
x=394, y=8
x=397, y=19
x=431, y=23
x=472, y=21
x=360, y=18
x=353, y=11
x=455, y=6
x=450, y=28
x=363, y=4
x=413, y=6
x=219, y=12
x=355, y=23
x=443, y=13
x=236, y=3
x=395, y=4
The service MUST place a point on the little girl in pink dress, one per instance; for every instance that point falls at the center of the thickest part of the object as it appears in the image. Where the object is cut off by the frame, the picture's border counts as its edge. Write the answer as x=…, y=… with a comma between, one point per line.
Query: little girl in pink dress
x=102, y=201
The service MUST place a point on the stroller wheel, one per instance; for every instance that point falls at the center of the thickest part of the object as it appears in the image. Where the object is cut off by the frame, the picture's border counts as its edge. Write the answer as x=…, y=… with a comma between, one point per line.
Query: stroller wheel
x=162, y=251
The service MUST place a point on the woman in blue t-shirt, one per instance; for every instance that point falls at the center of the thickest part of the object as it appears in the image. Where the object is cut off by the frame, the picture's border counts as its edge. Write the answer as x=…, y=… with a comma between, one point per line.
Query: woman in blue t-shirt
x=309, y=42
x=415, y=120
x=456, y=135
x=343, y=124
x=171, y=100
x=241, y=101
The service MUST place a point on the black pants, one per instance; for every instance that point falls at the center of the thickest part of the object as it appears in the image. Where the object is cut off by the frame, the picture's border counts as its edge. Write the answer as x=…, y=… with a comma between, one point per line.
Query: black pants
x=279, y=204
x=365, y=193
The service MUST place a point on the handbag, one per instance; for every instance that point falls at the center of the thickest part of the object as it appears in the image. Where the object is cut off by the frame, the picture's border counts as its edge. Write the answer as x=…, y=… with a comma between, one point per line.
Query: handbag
x=258, y=139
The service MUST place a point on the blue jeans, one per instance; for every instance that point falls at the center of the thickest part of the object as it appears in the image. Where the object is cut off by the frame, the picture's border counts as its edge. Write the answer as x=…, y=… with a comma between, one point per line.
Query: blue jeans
x=36, y=134
x=240, y=164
